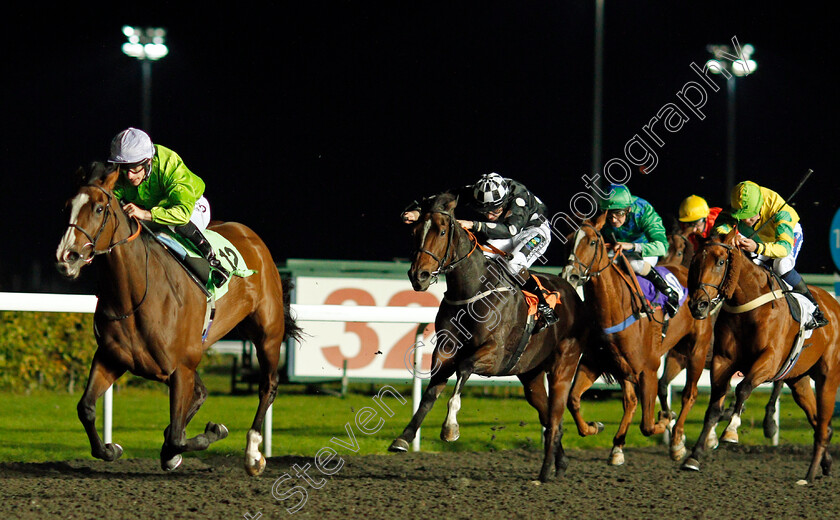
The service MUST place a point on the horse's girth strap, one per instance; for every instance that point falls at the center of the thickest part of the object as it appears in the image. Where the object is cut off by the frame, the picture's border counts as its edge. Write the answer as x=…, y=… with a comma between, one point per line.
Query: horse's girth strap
x=754, y=304
x=477, y=296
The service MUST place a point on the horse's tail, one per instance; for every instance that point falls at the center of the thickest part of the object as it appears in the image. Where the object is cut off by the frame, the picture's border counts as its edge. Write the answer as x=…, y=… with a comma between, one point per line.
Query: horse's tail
x=292, y=328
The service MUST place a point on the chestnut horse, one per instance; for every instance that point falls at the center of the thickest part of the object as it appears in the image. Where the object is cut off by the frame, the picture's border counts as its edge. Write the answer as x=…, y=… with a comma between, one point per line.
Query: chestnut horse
x=758, y=343
x=680, y=252
x=480, y=325
x=150, y=315
x=633, y=350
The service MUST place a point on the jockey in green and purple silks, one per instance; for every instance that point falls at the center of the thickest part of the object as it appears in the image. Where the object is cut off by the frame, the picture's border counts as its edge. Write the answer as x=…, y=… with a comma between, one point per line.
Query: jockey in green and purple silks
x=633, y=225
x=155, y=185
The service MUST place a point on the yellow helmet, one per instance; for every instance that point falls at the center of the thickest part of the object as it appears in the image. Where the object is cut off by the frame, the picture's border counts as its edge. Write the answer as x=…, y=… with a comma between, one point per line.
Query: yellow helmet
x=693, y=208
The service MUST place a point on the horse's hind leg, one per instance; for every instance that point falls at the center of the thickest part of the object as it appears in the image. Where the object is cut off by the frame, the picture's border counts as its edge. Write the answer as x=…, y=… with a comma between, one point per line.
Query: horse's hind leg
x=100, y=379
x=443, y=367
x=584, y=379
x=694, y=370
x=181, y=392
x=560, y=377
x=212, y=432
x=534, y=388
x=268, y=342
x=769, y=424
x=675, y=362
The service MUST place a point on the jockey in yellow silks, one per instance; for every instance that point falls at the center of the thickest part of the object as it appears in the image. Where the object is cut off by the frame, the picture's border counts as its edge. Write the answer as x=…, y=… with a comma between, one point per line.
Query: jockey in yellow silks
x=770, y=232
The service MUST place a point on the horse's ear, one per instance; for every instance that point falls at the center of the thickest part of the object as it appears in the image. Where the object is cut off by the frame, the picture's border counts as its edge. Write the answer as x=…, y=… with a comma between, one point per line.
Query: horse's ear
x=731, y=237
x=81, y=175
x=600, y=221
x=452, y=204
x=110, y=178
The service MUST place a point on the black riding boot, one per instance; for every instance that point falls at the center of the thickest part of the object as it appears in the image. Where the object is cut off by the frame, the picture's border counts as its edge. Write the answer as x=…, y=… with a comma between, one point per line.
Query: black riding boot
x=819, y=319
x=547, y=312
x=673, y=304
x=218, y=274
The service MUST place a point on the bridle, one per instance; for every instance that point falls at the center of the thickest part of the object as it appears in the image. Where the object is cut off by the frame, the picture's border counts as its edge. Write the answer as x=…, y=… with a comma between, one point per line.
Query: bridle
x=444, y=267
x=585, y=270
x=726, y=271
x=93, y=239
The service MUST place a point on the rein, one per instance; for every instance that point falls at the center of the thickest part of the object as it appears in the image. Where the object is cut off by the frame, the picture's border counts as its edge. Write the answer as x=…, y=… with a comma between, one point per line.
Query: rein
x=92, y=240
x=443, y=267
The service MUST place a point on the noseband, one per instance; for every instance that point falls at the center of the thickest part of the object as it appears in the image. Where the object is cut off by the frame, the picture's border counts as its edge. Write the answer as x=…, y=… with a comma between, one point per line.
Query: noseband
x=443, y=266
x=92, y=240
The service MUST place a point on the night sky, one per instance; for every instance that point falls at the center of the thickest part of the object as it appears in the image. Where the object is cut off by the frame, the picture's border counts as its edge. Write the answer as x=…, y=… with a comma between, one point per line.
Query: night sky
x=315, y=123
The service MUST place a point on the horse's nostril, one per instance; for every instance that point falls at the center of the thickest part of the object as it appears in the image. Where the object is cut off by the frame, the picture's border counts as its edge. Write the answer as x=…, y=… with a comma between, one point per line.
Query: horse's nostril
x=71, y=256
x=423, y=276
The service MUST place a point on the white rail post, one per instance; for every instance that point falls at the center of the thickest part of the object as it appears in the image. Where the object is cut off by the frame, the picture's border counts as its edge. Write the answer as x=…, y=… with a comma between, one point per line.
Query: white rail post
x=267, y=428
x=108, y=414
x=417, y=382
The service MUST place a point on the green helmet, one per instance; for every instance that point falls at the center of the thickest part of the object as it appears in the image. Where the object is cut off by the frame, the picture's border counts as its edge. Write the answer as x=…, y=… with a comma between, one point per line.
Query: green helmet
x=619, y=198
x=746, y=200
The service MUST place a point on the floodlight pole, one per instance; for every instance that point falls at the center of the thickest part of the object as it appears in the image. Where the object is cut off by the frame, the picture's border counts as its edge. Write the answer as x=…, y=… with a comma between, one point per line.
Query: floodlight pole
x=146, y=45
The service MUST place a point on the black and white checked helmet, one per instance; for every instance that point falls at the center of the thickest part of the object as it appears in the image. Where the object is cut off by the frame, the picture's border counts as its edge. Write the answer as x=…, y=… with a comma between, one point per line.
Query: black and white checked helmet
x=491, y=191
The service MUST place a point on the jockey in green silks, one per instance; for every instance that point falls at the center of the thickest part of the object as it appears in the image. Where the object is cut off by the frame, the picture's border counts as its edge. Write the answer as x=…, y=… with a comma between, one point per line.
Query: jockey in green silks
x=771, y=234
x=632, y=225
x=155, y=185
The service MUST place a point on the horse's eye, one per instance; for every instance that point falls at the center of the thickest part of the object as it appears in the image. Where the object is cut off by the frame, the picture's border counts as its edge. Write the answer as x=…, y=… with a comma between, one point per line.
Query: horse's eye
x=720, y=262
x=592, y=243
x=99, y=209
x=442, y=232
x=680, y=253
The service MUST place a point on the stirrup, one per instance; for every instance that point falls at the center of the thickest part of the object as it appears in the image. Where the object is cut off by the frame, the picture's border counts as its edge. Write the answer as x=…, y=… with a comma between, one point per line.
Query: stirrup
x=672, y=307
x=218, y=275
x=548, y=315
x=817, y=320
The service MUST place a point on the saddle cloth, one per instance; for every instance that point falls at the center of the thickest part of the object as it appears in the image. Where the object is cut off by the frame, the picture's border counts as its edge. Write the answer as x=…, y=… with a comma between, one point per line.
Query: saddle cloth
x=801, y=309
x=552, y=298
x=657, y=298
x=230, y=258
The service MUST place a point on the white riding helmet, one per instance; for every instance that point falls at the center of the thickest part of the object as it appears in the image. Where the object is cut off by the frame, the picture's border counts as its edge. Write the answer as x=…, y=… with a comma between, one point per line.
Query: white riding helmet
x=491, y=191
x=131, y=146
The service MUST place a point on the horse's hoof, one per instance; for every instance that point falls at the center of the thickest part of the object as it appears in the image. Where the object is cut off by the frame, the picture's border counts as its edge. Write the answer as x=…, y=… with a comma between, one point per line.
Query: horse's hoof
x=691, y=464
x=219, y=431
x=770, y=430
x=616, y=458
x=802, y=482
x=450, y=434
x=172, y=464
x=112, y=452
x=398, y=446
x=598, y=425
x=729, y=437
x=255, y=468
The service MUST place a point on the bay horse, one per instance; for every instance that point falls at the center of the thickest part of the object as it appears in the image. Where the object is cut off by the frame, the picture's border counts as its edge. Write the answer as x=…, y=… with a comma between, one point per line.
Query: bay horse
x=479, y=327
x=632, y=348
x=758, y=343
x=680, y=251
x=150, y=314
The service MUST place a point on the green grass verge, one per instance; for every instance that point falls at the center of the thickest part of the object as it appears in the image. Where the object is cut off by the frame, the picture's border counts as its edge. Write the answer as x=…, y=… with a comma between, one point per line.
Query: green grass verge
x=43, y=426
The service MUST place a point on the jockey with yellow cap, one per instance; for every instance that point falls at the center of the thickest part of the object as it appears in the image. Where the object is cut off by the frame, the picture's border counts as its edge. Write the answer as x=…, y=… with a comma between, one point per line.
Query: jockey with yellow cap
x=155, y=185
x=697, y=219
x=777, y=244
x=635, y=227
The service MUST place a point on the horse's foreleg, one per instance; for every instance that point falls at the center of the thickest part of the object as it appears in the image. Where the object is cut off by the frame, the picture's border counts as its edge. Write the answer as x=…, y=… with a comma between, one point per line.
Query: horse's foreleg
x=647, y=391
x=630, y=402
x=445, y=368
x=100, y=379
x=720, y=385
x=560, y=377
x=450, y=432
x=770, y=426
x=584, y=379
